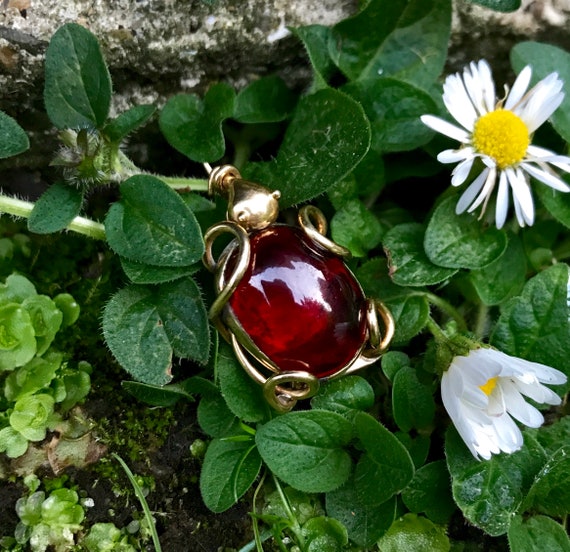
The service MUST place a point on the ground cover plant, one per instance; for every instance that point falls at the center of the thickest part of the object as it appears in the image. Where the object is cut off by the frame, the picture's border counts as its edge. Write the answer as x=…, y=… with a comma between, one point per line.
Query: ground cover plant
x=419, y=451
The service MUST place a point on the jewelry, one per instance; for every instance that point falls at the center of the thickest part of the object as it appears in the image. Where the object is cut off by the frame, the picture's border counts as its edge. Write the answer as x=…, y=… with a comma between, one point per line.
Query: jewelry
x=286, y=301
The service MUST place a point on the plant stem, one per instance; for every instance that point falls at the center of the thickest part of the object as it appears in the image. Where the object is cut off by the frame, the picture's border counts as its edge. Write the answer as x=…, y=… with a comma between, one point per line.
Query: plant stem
x=295, y=527
x=80, y=225
x=143, y=502
x=436, y=331
x=482, y=320
x=191, y=184
x=448, y=309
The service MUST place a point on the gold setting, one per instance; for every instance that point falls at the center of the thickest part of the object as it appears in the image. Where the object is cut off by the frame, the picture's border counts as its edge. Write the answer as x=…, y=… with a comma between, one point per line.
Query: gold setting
x=251, y=207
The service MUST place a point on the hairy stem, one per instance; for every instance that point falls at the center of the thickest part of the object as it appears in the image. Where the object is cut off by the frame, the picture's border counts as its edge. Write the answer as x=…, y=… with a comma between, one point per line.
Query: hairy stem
x=191, y=184
x=80, y=225
x=448, y=309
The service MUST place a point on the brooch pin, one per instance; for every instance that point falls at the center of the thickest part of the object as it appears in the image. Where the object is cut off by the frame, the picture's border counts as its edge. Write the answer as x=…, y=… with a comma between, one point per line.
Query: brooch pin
x=286, y=301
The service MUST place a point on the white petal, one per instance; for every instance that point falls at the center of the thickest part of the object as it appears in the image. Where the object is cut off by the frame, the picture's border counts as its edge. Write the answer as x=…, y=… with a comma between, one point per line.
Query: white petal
x=461, y=172
x=497, y=405
x=542, y=101
x=455, y=155
x=443, y=127
x=487, y=189
x=488, y=85
x=519, y=213
x=541, y=372
x=546, y=178
x=509, y=436
x=458, y=102
x=471, y=192
x=521, y=193
x=518, y=408
x=502, y=206
x=537, y=392
x=474, y=88
x=519, y=87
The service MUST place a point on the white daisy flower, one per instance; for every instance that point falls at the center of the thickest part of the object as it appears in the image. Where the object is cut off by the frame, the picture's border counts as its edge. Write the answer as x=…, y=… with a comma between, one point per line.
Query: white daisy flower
x=499, y=133
x=483, y=391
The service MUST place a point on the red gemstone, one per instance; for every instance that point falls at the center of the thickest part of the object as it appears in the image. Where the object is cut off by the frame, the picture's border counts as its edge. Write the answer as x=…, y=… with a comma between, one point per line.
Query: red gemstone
x=299, y=303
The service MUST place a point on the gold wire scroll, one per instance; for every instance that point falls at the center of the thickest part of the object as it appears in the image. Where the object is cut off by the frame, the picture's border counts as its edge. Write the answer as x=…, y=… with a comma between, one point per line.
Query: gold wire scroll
x=281, y=389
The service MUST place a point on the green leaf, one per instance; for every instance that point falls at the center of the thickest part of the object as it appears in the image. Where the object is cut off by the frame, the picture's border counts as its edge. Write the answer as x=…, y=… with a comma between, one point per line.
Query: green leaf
x=392, y=362
x=31, y=416
x=394, y=108
x=499, y=5
x=429, y=492
x=215, y=418
x=266, y=100
x=46, y=319
x=55, y=209
x=32, y=377
x=546, y=59
x=145, y=325
x=551, y=436
x=460, y=241
x=537, y=533
x=409, y=308
x=418, y=447
x=17, y=337
x=194, y=126
x=406, y=39
x=118, y=128
x=412, y=401
x=326, y=125
x=385, y=468
x=315, y=38
x=140, y=273
x=489, y=493
x=414, y=534
x=12, y=442
x=151, y=224
x=13, y=139
x=550, y=492
x=16, y=289
x=77, y=90
x=407, y=260
x=324, y=534
x=155, y=395
x=365, y=524
x=229, y=469
x=556, y=203
x=68, y=307
x=243, y=396
x=305, y=449
x=356, y=228
x=535, y=325
x=344, y=395
x=502, y=278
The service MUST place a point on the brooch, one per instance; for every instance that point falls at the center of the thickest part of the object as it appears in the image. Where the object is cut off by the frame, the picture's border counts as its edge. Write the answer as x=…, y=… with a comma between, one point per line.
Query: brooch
x=286, y=301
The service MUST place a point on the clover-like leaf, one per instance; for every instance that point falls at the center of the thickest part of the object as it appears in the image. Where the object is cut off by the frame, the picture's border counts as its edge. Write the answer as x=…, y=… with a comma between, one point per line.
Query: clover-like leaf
x=151, y=224
x=406, y=39
x=385, y=468
x=78, y=86
x=194, y=126
x=229, y=469
x=306, y=449
x=459, y=241
x=145, y=325
x=535, y=325
x=537, y=533
x=13, y=139
x=326, y=125
x=407, y=260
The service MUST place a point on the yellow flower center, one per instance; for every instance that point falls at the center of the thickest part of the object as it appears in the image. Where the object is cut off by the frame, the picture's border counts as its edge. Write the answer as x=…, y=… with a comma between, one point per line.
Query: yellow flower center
x=503, y=136
x=488, y=387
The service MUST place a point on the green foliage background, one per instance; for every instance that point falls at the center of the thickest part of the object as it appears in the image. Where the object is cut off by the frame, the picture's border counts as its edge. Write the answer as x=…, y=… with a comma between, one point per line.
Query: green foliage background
x=372, y=457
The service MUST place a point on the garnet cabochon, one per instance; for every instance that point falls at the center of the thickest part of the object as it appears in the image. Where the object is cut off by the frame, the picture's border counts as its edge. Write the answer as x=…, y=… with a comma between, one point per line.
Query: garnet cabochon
x=299, y=303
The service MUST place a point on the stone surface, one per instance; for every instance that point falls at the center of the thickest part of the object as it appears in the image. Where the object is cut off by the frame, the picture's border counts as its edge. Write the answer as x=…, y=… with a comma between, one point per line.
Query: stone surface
x=156, y=48
x=299, y=303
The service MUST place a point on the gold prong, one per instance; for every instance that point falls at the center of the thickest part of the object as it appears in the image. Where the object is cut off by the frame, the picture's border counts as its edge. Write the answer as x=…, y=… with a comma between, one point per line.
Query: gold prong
x=302, y=385
x=226, y=286
x=314, y=224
